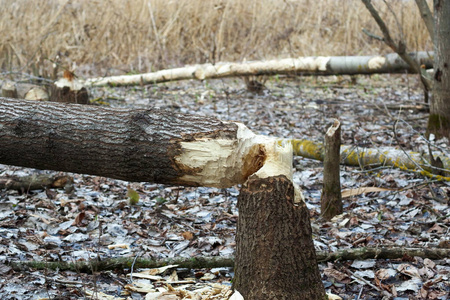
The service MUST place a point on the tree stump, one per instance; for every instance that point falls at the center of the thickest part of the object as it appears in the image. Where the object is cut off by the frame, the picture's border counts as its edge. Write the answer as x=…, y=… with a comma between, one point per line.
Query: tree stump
x=69, y=90
x=331, y=199
x=275, y=256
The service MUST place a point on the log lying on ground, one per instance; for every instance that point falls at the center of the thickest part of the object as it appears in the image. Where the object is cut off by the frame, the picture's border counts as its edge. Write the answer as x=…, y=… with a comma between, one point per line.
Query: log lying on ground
x=34, y=182
x=371, y=158
x=216, y=262
x=320, y=65
x=142, y=145
x=26, y=91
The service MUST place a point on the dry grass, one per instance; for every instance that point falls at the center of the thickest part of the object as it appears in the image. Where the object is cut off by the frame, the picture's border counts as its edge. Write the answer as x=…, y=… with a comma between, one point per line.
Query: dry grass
x=140, y=36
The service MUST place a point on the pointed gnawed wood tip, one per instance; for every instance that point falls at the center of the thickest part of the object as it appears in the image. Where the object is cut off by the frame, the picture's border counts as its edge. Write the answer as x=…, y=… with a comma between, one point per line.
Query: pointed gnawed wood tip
x=334, y=127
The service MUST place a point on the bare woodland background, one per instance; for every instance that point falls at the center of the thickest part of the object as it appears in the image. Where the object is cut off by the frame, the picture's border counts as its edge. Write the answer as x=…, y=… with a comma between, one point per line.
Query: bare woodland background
x=115, y=36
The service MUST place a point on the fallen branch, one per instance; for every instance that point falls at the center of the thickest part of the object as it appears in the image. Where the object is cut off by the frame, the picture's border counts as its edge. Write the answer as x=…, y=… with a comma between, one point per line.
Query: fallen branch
x=34, y=182
x=369, y=157
x=331, y=65
x=215, y=262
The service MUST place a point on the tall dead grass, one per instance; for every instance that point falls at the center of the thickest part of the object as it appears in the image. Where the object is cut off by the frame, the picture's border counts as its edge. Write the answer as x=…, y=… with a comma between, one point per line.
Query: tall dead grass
x=140, y=36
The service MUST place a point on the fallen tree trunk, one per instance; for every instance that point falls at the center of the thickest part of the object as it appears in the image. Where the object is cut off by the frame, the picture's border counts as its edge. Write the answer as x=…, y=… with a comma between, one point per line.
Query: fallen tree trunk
x=161, y=146
x=371, y=158
x=330, y=65
x=216, y=262
x=142, y=145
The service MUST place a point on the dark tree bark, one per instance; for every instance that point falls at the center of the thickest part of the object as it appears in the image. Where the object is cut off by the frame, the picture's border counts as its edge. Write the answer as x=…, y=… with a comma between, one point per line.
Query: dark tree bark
x=439, y=120
x=141, y=145
x=331, y=199
x=275, y=255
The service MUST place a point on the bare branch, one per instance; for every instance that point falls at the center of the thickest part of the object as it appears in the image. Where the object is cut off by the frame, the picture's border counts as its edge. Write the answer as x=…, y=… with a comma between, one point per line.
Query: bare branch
x=372, y=35
x=400, y=48
x=427, y=16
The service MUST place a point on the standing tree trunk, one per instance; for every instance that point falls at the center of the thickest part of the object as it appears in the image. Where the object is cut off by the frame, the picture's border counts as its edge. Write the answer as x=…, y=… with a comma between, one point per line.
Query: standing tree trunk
x=274, y=237
x=439, y=120
x=331, y=199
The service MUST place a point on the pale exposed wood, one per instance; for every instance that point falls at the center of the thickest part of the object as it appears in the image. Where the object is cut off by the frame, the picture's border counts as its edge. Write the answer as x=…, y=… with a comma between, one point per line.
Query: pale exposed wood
x=37, y=93
x=332, y=65
x=26, y=91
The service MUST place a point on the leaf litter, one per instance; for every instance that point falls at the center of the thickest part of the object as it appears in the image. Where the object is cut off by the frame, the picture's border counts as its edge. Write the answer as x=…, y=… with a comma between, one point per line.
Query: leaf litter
x=103, y=218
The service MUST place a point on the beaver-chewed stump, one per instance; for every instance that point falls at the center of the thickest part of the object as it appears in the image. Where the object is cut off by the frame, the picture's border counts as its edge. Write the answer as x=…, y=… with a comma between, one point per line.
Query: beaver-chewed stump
x=69, y=90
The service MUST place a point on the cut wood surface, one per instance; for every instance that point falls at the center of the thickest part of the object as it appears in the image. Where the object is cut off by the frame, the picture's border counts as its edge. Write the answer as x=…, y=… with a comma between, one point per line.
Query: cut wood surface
x=376, y=157
x=318, y=65
x=26, y=91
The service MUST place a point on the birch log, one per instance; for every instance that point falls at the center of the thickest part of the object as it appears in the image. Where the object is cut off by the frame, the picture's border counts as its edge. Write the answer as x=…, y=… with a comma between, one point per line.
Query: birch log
x=320, y=65
x=376, y=157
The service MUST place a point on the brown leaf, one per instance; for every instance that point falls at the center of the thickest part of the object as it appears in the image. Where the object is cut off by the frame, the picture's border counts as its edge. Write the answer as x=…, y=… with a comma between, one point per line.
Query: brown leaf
x=79, y=219
x=187, y=235
x=339, y=276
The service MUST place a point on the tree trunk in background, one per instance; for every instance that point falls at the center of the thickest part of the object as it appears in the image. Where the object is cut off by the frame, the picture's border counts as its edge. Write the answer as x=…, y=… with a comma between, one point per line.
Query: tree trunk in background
x=439, y=120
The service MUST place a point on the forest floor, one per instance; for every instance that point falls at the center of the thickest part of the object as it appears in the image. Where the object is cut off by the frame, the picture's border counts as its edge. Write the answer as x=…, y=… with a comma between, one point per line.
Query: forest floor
x=97, y=221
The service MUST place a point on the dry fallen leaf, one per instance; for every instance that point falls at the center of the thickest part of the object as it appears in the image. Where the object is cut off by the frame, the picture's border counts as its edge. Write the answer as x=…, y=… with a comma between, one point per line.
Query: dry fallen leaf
x=187, y=235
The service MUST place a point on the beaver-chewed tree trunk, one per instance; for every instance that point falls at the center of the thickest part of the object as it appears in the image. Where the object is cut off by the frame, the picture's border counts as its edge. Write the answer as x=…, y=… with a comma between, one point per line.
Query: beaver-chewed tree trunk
x=331, y=199
x=275, y=257
x=275, y=252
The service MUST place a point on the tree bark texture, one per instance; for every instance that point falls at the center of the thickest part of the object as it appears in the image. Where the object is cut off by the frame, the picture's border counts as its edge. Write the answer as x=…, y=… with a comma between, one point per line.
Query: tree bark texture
x=329, y=65
x=275, y=257
x=331, y=199
x=35, y=182
x=141, y=145
x=439, y=120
